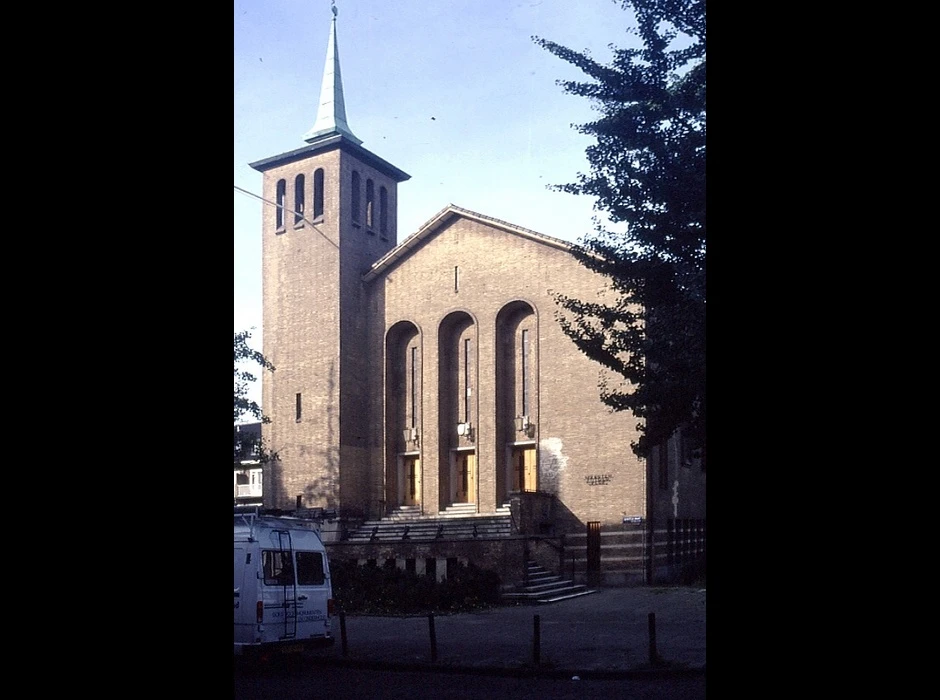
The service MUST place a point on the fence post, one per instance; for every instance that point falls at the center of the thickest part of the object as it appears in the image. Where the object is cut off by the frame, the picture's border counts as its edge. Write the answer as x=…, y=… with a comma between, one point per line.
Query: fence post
x=433, y=637
x=654, y=655
x=536, y=642
x=342, y=631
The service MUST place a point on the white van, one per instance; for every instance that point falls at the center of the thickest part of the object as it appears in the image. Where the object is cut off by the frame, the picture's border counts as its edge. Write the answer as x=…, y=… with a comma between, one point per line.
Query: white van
x=283, y=594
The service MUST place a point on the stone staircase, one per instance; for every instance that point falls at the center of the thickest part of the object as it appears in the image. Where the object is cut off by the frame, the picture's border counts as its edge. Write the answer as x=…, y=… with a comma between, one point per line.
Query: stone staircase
x=459, y=521
x=542, y=586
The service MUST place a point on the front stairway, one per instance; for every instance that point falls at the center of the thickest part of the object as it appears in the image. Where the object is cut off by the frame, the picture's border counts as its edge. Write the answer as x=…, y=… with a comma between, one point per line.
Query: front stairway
x=456, y=522
x=542, y=586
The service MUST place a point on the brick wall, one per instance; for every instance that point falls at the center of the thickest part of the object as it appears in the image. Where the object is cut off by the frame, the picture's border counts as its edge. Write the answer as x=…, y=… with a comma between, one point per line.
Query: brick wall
x=584, y=454
x=331, y=336
x=314, y=322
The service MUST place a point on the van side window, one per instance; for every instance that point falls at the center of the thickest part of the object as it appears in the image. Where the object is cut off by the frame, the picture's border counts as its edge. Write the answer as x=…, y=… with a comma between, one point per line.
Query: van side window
x=278, y=570
x=310, y=569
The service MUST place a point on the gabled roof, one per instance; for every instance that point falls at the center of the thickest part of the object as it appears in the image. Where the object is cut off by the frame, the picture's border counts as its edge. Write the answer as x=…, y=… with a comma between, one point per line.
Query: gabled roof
x=444, y=218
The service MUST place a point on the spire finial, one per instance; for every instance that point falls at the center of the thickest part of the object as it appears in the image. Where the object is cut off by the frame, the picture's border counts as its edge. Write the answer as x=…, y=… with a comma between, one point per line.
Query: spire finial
x=331, y=112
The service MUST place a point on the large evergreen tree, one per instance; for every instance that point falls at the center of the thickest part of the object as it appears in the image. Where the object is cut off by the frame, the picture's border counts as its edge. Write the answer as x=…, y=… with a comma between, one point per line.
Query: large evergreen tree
x=647, y=172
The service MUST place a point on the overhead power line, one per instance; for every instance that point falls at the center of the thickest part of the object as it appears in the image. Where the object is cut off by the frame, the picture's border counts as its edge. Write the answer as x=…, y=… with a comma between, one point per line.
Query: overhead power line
x=289, y=211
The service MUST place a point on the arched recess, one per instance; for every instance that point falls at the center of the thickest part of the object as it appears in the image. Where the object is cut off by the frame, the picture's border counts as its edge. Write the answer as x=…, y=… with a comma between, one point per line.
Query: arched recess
x=299, y=200
x=403, y=477
x=280, y=196
x=457, y=400
x=517, y=398
x=318, y=193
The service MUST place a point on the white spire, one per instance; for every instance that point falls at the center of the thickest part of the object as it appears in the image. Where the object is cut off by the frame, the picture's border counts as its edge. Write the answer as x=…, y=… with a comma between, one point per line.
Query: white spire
x=331, y=112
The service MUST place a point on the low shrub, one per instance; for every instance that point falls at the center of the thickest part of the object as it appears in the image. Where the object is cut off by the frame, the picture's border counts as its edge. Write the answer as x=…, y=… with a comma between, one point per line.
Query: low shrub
x=388, y=590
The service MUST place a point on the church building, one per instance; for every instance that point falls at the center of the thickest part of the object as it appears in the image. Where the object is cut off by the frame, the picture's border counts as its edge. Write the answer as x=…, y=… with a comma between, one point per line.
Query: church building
x=423, y=371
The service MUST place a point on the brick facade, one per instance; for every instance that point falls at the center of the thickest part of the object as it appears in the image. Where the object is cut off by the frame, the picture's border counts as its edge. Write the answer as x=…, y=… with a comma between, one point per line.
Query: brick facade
x=456, y=326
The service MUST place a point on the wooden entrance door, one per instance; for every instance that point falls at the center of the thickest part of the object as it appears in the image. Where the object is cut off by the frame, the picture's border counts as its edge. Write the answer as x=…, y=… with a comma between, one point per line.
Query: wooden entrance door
x=466, y=478
x=524, y=472
x=412, y=470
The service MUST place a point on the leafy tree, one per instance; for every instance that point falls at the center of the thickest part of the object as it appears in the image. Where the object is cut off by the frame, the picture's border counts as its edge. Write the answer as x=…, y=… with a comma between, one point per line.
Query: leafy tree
x=244, y=442
x=647, y=171
x=243, y=353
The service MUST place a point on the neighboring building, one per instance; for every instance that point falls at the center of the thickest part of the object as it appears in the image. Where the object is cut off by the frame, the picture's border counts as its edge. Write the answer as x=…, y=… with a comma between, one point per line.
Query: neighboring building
x=415, y=376
x=248, y=472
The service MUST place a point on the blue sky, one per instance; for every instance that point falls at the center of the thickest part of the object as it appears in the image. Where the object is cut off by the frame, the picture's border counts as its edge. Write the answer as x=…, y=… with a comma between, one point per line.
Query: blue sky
x=453, y=92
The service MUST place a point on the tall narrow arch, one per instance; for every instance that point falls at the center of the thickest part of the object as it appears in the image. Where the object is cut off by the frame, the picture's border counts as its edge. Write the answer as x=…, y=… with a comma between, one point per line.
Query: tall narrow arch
x=279, y=200
x=517, y=400
x=383, y=212
x=370, y=203
x=298, y=199
x=318, y=193
x=403, y=416
x=458, y=407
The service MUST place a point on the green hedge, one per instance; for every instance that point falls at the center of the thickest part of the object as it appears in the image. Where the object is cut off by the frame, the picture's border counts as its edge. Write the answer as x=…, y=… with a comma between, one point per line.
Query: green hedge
x=388, y=590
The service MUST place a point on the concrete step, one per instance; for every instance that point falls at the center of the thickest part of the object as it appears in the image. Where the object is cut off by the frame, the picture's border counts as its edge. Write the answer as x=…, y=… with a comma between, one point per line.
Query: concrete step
x=449, y=520
x=434, y=526
x=543, y=586
x=549, y=596
x=566, y=596
x=405, y=513
x=458, y=510
x=429, y=529
x=556, y=583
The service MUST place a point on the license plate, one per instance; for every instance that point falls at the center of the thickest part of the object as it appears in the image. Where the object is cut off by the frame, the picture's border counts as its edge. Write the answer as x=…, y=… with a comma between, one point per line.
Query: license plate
x=292, y=648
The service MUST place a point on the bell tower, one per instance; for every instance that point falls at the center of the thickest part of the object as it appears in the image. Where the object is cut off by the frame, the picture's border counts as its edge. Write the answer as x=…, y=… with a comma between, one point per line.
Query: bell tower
x=330, y=212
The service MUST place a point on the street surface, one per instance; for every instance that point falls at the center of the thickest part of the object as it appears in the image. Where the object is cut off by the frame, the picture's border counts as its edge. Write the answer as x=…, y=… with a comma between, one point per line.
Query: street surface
x=337, y=683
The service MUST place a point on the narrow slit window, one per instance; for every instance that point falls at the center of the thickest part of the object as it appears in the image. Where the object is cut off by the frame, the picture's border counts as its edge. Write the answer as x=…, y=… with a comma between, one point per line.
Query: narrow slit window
x=298, y=199
x=370, y=203
x=383, y=212
x=279, y=209
x=318, y=193
x=297, y=408
x=355, y=197
x=456, y=279
x=525, y=373
x=414, y=384
x=466, y=380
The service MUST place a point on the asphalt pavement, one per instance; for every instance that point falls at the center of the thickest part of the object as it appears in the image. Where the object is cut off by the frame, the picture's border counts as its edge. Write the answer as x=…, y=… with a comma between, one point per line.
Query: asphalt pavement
x=614, y=632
